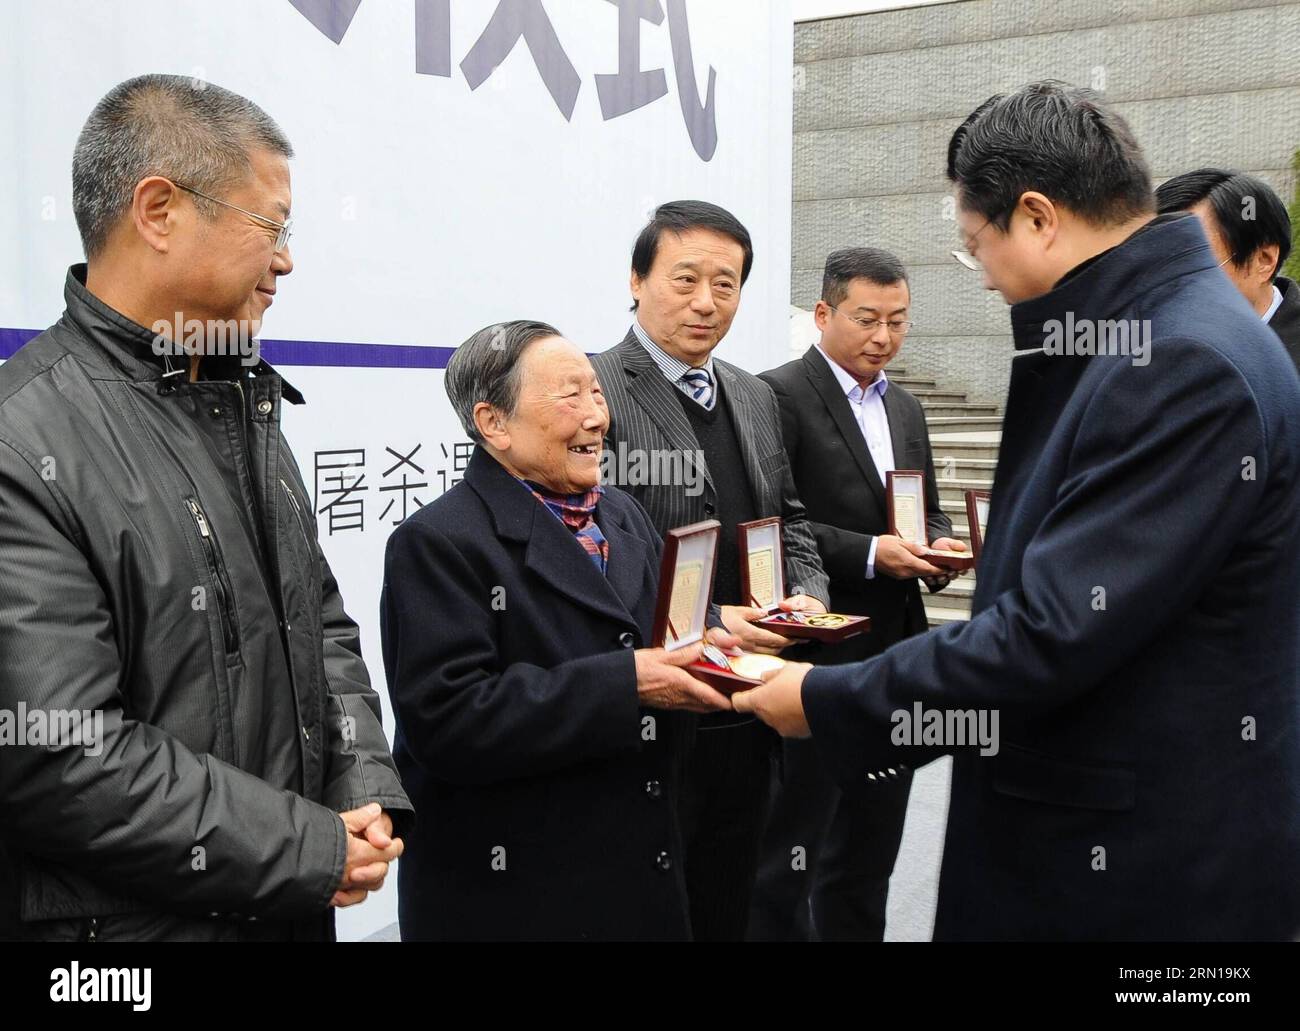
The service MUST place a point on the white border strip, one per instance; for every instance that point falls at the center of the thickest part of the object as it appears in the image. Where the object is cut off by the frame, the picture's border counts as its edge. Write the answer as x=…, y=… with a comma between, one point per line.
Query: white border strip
x=817, y=10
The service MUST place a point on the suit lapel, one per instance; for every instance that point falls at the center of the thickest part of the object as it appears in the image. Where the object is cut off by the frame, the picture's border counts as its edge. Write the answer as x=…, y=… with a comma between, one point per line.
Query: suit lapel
x=898, y=438
x=657, y=397
x=828, y=388
x=555, y=556
x=627, y=558
x=550, y=548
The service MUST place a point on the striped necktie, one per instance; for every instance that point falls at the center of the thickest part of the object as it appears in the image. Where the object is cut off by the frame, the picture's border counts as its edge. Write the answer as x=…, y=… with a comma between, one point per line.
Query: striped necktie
x=699, y=385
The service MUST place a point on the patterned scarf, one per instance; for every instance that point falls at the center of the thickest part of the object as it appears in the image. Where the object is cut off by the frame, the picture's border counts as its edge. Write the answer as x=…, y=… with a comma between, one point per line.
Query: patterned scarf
x=577, y=512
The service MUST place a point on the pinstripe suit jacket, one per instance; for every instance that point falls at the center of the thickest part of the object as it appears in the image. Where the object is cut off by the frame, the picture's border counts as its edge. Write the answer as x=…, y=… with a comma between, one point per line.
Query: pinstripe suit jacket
x=646, y=415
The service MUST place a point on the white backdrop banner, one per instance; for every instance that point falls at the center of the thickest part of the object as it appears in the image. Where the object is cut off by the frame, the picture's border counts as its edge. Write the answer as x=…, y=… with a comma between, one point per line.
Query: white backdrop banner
x=459, y=162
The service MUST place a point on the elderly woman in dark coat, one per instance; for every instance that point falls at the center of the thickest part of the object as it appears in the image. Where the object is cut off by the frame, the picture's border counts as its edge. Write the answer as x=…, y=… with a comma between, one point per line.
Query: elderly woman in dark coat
x=535, y=728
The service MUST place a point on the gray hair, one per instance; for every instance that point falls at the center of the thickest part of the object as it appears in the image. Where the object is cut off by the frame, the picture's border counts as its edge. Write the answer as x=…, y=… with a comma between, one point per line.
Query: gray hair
x=170, y=125
x=486, y=367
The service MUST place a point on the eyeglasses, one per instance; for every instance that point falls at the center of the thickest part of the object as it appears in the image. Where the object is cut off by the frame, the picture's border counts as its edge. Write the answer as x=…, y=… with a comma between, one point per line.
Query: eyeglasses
x=964, y=257
x=285, y=227
x=896, y=326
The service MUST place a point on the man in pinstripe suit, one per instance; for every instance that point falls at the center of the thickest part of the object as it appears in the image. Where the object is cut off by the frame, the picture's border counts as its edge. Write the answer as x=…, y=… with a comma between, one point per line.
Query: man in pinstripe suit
x=716, y=430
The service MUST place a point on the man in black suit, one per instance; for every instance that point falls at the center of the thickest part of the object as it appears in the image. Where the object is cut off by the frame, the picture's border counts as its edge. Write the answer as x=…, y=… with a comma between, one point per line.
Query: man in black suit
x=693, y=437
x=1250, y=234
x=1121, y=706
x=534, y=723
x=827, y=854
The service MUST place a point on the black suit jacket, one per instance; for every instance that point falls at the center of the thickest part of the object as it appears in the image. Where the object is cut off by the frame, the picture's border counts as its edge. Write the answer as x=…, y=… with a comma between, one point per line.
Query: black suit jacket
x=646, y=415
x=845, y=497
x=510, y=665
x=1135, y=627
x=1286, y=320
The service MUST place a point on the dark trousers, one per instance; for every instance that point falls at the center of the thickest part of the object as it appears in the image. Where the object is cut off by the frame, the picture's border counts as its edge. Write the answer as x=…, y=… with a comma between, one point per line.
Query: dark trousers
x=725, y=780
x=827, y=854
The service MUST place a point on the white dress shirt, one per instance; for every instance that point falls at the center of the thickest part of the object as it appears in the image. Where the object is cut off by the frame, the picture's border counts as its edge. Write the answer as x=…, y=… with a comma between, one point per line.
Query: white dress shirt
x=868, y=408
x=1277, y=303
x=672, y=368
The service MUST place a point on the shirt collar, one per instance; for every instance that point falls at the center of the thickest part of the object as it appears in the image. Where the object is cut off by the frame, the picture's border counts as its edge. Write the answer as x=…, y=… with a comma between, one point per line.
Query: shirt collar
x=848, y=384
x=1277, y=303
x=672, y=368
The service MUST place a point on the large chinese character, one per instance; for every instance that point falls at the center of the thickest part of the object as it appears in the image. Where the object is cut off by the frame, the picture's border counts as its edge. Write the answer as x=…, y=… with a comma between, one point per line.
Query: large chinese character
x=433, y=37
x=701, y=120
x=631, y=88
x=336, y=478
x=460, y=456
x=406, y=486
x=331, y=17
x=511, y=20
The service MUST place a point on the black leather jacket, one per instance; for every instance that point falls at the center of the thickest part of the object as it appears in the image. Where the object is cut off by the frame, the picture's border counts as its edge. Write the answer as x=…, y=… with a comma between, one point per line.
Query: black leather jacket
x=159, y=567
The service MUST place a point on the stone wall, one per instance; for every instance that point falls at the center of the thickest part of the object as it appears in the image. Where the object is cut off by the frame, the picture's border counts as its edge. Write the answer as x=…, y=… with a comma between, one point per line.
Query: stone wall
x=878, y=95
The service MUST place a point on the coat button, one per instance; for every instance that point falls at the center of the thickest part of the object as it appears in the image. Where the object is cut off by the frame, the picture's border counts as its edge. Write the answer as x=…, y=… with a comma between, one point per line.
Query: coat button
x=654, y=789
x=626, y=639
x=663, y=862
x=708, y=508
x=263, y=407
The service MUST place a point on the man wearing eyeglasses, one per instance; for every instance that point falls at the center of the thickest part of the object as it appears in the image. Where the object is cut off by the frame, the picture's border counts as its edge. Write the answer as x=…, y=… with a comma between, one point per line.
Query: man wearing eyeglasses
x=845, y=426
x=221, y=772
x=1134, y=630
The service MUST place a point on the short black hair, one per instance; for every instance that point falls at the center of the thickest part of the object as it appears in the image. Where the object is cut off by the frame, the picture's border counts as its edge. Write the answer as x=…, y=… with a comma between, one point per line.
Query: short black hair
x=680, y=216
x=1228, y=192
x=869, y=263
x=1062, y=141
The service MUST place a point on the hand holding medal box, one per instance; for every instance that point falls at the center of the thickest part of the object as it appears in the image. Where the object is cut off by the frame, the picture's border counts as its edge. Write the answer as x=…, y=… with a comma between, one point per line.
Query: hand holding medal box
x=685, y=589
x=905, y=501
x=762, y=584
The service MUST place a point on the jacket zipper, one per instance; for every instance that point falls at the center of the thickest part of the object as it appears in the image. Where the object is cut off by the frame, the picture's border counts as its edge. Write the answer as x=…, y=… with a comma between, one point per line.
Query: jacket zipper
x=230, y=627
x=297, y=511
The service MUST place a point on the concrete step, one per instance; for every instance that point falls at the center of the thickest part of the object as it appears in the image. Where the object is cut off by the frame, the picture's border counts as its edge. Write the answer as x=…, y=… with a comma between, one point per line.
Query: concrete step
x=970, y=468
x=962, y=451
x=910, y=382
x=926, y=396
x=965, y=424
x=957, y=410
x=977, y=472
x=940, y=616
x=955, y=490
x=979, y=481
x=962, y=589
